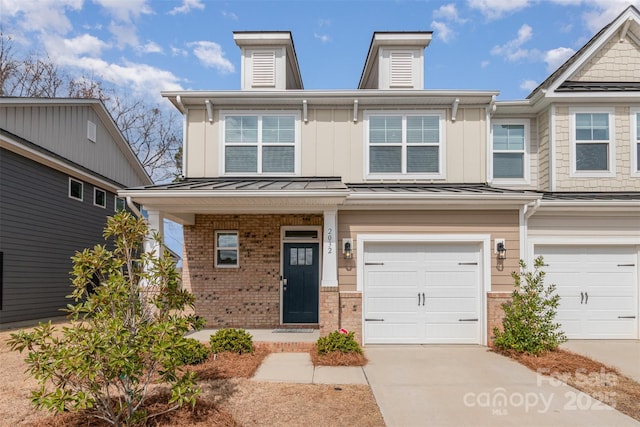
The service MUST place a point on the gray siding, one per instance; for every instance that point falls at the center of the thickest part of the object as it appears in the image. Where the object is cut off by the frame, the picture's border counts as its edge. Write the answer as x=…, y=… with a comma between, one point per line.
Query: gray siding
x=62, y=129
x=40, y=229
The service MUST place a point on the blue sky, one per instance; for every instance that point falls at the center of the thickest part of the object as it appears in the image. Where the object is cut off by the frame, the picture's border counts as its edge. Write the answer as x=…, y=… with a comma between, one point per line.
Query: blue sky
x=145, y=46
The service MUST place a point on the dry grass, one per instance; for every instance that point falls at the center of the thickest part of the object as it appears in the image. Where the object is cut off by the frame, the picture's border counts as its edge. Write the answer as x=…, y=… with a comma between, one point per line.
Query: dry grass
x=337, y=358
x=596, y=379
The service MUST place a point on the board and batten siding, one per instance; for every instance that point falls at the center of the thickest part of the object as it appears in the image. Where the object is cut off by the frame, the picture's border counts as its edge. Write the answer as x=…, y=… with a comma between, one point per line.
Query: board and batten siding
x=500, y=224
x=62, y=129
x=40, y=229
x=332, y=144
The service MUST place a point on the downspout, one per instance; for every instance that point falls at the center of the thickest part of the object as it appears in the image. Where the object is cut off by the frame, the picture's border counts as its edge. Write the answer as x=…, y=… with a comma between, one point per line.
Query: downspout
x=527, y=211
x=133, y=207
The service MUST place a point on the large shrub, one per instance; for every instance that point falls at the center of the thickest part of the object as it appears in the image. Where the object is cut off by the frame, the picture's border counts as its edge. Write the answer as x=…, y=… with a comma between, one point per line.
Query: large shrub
x=529, y=324
x=193, y=352
x=341, y=341
x=125, y=333
x=232, y=340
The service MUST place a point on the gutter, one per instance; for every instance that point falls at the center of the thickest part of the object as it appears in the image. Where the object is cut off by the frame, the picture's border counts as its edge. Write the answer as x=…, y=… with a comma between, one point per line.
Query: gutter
x=133, y=207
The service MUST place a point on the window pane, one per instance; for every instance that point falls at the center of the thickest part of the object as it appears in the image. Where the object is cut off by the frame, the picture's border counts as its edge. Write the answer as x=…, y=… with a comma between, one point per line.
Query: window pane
x=385, y=159
x=75, y=189
x=228, y=257
x=293, y=256
x=385, y=129
x=120, y=206
x=278, y=129
x=508, y=165
x=301, y=257
x=592, y=126
x=278, y=159
x=99, y=197
x=309, y=256
x=227, y=240
x=422, y=159
x=241, y=159
x=241, y=129
x=592, y=157
x=508, y=137
x=423, y=129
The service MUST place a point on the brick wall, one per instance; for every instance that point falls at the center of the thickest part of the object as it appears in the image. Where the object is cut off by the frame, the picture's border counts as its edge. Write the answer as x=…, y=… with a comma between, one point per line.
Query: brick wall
x=248, y=296
x=495, y=314
x=351, y=313
x=329, y=310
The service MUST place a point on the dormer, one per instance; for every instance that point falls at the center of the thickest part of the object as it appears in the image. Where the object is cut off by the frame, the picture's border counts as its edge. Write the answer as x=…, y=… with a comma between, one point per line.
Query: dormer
x=269, y=60
x=395, y=61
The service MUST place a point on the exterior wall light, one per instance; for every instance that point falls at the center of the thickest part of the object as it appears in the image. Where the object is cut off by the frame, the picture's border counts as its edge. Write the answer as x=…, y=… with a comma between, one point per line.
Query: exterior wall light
x=501, y=248
x=347, y=248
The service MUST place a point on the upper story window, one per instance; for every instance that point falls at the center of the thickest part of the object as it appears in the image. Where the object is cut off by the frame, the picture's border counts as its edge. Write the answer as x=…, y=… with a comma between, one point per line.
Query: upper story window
x=635, y=142
x=119, y=204
x=407, y=145
x=99, y=197
x=75, y=189
x=261, y=144
x=592, y=142
x=509, y=150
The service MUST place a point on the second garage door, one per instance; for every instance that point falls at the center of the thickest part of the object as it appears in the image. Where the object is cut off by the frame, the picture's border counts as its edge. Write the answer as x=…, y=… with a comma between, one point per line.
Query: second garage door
x=598, y=287
x=416, y=293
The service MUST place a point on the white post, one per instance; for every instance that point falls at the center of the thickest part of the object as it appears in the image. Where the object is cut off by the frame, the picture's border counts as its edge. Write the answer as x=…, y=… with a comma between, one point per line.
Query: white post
x=155, y=220
x=330, y=249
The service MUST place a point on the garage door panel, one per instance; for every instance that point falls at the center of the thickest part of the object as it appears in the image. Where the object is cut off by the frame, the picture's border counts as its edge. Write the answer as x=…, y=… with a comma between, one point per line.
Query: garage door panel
x=443, y=333
x=391, y=306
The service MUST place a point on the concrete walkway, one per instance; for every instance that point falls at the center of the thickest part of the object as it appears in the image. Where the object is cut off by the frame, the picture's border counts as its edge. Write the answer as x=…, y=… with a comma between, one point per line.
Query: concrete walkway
x=297, y=368
x=621, y=354
x=471, y=386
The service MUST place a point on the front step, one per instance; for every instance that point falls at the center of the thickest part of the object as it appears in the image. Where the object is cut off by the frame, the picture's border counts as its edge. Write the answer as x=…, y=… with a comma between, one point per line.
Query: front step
x=285, y=347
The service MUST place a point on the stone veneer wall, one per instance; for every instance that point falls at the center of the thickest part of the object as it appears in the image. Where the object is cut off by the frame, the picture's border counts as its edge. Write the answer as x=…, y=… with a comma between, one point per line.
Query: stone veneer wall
x=248, y=296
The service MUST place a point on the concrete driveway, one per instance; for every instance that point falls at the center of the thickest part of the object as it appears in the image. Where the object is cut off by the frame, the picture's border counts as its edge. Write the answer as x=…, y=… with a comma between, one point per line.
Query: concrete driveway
x=621, y=354
x=468, y=385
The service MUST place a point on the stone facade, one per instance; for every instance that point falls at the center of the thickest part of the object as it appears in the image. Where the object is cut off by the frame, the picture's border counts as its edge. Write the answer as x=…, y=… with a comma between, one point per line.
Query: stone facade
x=247, y=296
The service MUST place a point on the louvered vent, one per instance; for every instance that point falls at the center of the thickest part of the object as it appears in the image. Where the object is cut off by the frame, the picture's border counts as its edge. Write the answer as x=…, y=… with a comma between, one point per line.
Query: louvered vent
x=401, y=69
x=264, y=69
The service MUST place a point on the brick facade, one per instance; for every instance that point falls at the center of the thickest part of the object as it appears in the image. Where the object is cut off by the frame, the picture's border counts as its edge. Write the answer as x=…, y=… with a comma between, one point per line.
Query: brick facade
x=248, y=296
x=495, y=313
x=351, y=313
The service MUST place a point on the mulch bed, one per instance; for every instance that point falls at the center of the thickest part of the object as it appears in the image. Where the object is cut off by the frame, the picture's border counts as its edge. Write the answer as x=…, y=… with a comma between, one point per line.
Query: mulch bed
x=596, y=379
x=230, y=365
x=337, y=358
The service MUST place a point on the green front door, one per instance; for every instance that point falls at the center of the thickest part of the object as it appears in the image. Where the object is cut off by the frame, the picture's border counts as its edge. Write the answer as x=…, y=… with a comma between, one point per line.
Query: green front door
x=300, y=290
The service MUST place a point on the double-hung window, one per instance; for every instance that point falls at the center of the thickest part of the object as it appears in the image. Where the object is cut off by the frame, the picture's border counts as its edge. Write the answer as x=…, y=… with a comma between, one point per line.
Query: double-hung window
x=635, y=142
x=405, y=145
x=261, y=143
x=592, y=142
x=509, y=150
x=226, y=249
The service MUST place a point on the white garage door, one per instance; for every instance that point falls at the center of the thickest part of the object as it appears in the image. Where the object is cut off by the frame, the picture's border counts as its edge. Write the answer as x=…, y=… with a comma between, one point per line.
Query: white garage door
x=598, y=287
x=417, y=293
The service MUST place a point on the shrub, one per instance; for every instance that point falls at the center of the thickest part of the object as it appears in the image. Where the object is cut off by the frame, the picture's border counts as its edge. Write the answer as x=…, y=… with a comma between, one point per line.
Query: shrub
x=529, y=324
x=341, y=341
x=232, y=340
x=123, y=334
x=193, y=352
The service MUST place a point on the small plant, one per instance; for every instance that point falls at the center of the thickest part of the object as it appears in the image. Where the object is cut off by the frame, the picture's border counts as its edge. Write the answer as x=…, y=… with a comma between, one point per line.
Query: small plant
x=233, y=340
x=193, y=352
x=529, y=324
x=341, y=340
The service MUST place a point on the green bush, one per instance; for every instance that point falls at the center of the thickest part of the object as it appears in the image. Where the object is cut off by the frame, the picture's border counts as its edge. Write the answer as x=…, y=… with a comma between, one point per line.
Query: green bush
x=192, y=352
x=529, y=324
x=233, y=340
x=338, y=341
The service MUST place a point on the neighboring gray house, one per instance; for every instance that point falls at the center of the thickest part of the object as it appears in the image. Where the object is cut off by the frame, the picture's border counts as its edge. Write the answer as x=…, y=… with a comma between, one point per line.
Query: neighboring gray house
x=62, y=162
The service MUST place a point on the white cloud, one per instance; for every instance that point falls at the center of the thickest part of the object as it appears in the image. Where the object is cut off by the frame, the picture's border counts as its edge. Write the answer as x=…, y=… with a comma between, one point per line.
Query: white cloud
x=448, y=12
x=151, y=47
x=127, y=10
x=324, y=22
x=211, y=55
x=46, y=16
x=442, y=31
x=230, y=15
x=85, y=44
x=494, y=9
x=176, y=51
x=324, y=38
x=485, y=64
x=556, y=57
x=512, y=50
x=528, y=85
x=187, y=6
x=125, y=34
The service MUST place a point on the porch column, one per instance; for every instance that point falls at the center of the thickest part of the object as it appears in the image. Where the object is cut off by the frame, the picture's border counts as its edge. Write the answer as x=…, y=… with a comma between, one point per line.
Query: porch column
x=155, y=221
x=330, y=249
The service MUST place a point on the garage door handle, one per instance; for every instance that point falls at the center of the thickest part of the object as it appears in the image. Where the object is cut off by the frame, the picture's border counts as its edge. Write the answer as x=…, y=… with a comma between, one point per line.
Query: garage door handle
x=586, y=297
x=374, y=320
x=626, y=317
x=374, y=263
x=626, y=265
x=467, y=320
x=581, y=297
x=467, y=263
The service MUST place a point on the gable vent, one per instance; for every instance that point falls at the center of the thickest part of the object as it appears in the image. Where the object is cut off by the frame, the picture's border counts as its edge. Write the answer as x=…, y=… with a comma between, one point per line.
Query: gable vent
x=91, y=131
x=264, y=69
x=401, y=69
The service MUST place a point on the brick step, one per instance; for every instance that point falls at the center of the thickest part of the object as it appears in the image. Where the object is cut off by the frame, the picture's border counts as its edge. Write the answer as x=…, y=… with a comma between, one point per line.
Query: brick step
x=286, y=347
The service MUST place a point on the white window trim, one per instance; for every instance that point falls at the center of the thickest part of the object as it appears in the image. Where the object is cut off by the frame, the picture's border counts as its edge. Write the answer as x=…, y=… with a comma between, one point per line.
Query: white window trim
x=115, y=203
x=216, y=248
x=526, y=180
x=400, y=176
x=81, y=191
x=635, y=167
x=297, y=143
x=611, y=172
x=95, y=191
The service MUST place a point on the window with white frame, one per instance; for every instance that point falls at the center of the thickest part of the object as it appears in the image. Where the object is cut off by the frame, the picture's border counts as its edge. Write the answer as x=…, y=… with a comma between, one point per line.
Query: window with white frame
x=76, y=189
x=261, y=144
x=227, y=248
x=99, y=197
x=635, y=142
x=592, y=142
x=119, y=204
x=509, y=150
x=408, y=144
